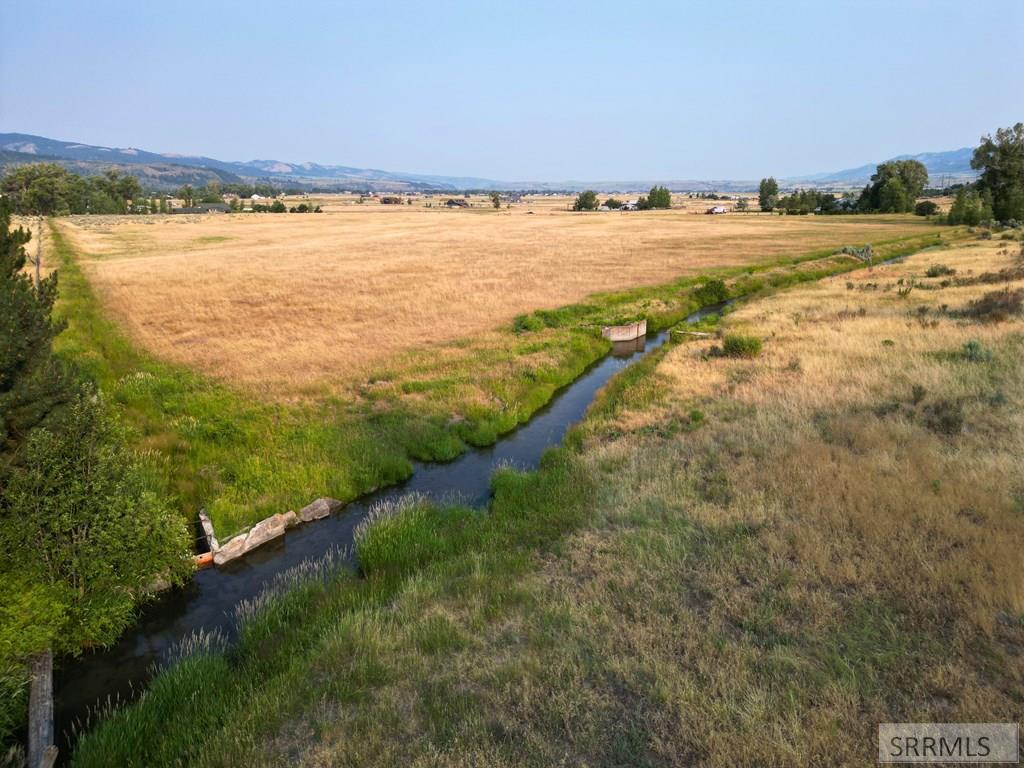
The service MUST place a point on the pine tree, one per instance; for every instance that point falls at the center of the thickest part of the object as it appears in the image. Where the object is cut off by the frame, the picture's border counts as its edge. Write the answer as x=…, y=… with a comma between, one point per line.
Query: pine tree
x=33, y=384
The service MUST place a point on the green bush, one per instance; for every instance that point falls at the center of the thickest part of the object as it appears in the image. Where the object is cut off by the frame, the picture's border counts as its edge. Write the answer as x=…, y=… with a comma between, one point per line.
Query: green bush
x=712, y=292
x=740, y=345
x=525, y=323
x=976, y=352
x=926, y=208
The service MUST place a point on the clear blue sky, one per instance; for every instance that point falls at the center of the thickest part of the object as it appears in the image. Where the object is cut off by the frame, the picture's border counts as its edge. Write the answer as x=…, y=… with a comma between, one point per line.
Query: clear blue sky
x=518, y=90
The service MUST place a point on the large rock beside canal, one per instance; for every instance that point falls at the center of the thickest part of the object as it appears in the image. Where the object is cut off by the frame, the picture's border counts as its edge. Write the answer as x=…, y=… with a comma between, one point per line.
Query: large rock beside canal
x=265, y=530
x=320, y=508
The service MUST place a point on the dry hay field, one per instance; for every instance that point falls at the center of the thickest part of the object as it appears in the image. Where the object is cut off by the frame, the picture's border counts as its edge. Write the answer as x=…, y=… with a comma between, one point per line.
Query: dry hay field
x=279, y=303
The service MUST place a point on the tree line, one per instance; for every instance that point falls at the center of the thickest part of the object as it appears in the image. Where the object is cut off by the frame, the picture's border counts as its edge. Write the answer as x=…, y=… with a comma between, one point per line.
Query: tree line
x=48, y=189
x=997, y=195
x=657, y=198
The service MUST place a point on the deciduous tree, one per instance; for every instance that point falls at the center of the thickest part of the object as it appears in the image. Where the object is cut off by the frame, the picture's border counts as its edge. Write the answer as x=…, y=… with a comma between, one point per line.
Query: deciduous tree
x=903, y=181
x=1001, y=162
x=585, y=201
x=768, y=194
x=78, y=523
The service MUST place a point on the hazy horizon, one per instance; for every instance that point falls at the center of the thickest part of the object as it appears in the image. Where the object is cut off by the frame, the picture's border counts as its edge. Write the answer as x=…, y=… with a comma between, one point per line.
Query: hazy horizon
x=524, y=93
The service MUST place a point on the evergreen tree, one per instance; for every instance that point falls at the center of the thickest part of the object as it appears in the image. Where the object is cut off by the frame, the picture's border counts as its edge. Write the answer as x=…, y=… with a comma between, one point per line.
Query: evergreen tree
x=33, y=384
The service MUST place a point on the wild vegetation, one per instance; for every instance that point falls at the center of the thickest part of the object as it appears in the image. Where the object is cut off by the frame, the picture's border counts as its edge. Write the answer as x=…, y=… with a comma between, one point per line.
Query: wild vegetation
x=658, y=197
x=243, y=458
x=734, y=561
x=894, y=187
x=47, y=189
x=1000, y=159
x=206, y=443
x=84, y=535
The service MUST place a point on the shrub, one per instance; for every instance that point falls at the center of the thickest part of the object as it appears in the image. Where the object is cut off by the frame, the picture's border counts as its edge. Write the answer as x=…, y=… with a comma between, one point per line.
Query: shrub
x=740, y=345
x=939, y=270
x=996, y=306
x=917, y=393
x=525, y=323
x=976, y=352
x=945, y=417
x=712, y=292
x=926, y=208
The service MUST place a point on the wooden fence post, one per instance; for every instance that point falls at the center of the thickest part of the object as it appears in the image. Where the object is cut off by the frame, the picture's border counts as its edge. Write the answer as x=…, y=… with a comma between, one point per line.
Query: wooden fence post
x=41, y=752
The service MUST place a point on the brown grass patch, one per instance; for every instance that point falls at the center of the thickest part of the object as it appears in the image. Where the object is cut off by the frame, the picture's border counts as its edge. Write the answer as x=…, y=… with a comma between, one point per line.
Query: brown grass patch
x=294, y=303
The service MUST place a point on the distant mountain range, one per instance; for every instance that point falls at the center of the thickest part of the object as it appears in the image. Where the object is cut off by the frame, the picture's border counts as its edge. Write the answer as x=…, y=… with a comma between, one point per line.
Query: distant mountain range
x=164, y=171
x=954, y=164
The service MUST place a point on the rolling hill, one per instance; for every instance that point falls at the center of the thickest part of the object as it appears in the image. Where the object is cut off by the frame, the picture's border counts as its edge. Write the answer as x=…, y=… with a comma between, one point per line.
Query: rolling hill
x=954, y=164
x=164, y=171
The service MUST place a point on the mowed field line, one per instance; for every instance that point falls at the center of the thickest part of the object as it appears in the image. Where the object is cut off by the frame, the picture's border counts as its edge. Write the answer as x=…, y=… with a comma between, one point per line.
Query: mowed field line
x=290, y=304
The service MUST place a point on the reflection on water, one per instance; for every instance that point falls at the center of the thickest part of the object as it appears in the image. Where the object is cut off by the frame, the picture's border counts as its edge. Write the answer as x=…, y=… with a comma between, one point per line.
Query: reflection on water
x=628, y=348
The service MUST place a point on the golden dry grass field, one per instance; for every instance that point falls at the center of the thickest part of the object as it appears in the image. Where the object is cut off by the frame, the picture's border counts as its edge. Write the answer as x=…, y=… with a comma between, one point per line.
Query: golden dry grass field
x=286, y=304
